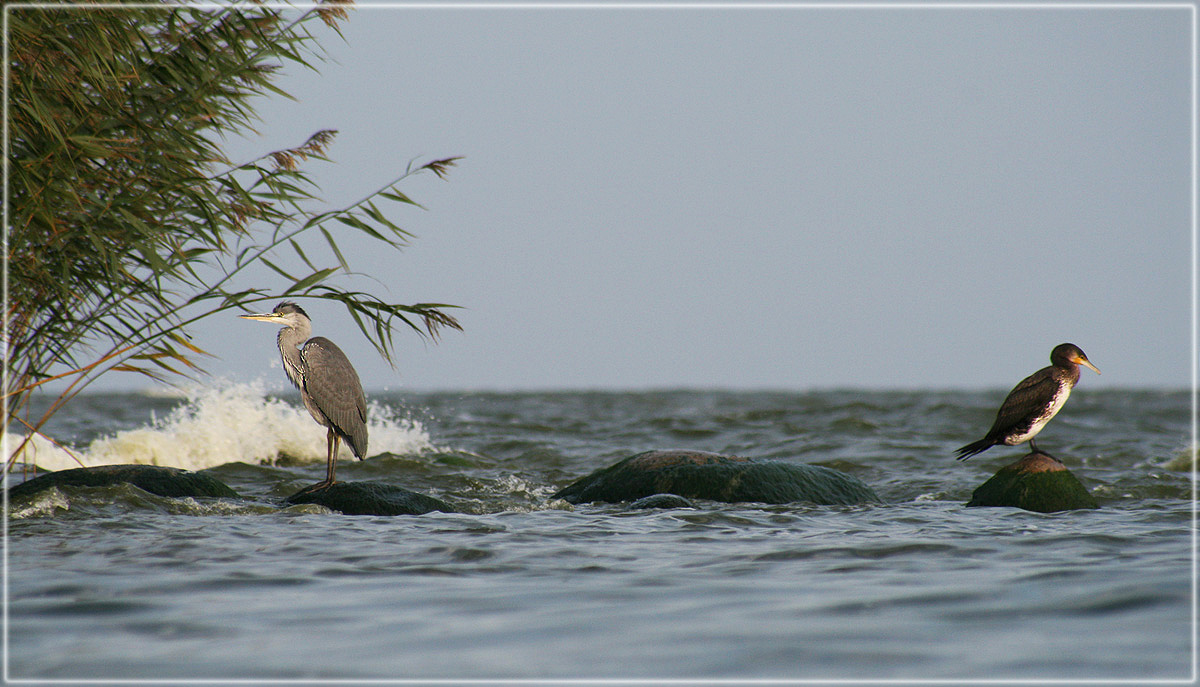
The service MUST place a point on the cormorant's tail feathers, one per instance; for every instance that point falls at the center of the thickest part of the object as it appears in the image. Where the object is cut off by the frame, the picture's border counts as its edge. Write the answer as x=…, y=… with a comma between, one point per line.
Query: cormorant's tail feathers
x=974, y=447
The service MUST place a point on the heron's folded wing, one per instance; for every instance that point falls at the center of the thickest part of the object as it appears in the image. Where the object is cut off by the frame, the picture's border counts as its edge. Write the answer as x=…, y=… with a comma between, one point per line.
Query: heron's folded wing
x=333, y=386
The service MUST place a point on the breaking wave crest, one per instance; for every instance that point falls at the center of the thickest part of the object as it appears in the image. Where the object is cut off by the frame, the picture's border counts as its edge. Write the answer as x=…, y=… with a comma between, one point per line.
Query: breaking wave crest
x=223, y=423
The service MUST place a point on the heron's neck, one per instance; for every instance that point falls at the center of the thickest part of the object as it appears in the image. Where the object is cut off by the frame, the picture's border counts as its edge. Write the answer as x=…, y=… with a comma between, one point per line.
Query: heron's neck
x=289, y=340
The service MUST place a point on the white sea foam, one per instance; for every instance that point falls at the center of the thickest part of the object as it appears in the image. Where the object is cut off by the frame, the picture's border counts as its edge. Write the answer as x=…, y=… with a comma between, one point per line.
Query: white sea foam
x=43, y=503
x=517, y=486
x=227, y=422
x=41, y=451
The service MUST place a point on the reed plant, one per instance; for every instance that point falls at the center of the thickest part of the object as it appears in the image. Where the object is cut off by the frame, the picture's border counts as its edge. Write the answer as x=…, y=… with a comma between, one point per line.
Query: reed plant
x=125, y=222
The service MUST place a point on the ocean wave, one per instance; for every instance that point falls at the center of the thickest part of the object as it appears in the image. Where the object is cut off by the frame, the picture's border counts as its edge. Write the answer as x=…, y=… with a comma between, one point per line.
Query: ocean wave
x=227, y=422
x=83, y=502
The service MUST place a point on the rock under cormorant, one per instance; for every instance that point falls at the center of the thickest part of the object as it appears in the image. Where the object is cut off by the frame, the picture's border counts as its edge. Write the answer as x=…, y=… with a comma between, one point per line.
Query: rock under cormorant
x=1037, y=482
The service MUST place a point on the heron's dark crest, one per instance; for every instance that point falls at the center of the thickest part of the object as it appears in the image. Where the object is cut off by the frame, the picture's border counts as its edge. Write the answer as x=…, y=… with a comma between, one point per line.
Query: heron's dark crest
x=287, y=307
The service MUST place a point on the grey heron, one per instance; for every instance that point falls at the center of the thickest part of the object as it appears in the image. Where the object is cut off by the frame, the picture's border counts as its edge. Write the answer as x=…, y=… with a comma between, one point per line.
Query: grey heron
x=327, y=382
x=1033, y=402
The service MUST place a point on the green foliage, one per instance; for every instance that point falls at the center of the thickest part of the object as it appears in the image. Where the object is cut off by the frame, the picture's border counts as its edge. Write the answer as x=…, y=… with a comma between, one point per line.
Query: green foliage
x=126, y=222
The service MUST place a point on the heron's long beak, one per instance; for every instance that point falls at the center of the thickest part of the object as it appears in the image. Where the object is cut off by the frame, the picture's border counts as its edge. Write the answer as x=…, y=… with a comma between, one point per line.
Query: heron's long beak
x=1088, y=364
x=265, y=317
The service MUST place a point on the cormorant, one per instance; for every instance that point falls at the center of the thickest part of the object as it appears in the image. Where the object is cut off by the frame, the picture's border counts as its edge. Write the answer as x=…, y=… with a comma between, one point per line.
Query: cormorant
x=1031, y=404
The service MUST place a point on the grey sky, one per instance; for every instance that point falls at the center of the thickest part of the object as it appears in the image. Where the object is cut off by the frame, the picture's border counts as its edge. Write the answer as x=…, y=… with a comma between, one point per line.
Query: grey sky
x=784, y=198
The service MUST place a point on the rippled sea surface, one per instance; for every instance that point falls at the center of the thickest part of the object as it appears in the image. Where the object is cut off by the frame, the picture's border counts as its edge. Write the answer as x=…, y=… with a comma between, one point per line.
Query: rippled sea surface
x=118, y=584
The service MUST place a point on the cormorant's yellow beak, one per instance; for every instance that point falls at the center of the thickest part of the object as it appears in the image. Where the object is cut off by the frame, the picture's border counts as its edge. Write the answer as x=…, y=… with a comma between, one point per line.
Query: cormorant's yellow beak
x=1086, y=363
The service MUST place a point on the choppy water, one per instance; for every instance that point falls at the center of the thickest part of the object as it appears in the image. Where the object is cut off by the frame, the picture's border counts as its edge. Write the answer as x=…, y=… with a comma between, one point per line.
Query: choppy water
x=119, y=584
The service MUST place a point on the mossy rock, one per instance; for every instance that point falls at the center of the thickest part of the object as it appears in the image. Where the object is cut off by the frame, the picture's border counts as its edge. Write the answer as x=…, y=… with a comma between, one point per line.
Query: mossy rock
x=716, y=477
x=370, y=498
x=156, y=479
x=1036, y=482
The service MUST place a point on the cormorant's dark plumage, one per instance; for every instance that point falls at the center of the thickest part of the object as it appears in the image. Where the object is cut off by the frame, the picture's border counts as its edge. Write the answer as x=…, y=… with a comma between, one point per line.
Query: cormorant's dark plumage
x=1032, y=402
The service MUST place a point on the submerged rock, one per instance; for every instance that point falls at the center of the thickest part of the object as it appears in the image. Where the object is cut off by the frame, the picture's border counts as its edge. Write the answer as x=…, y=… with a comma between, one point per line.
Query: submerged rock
x=1037, y=482
x=716, y=477
x=156, y=479
x=370, y=498
x=1185, y=460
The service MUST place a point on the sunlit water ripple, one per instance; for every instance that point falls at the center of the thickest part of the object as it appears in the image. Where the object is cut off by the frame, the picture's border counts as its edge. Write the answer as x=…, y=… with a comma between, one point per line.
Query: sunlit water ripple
x=116, y=583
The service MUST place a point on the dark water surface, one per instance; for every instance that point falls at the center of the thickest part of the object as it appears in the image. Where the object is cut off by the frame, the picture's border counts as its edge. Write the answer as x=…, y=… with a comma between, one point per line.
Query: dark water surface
x=118, y=584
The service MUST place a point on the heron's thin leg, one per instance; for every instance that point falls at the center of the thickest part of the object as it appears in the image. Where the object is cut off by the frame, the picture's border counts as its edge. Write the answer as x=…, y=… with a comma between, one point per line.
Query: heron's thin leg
x=1033, y=447
x=332, y=457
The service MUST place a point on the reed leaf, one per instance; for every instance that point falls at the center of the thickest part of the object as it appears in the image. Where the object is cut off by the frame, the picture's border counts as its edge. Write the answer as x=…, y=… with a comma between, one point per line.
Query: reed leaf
x=128, y=224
